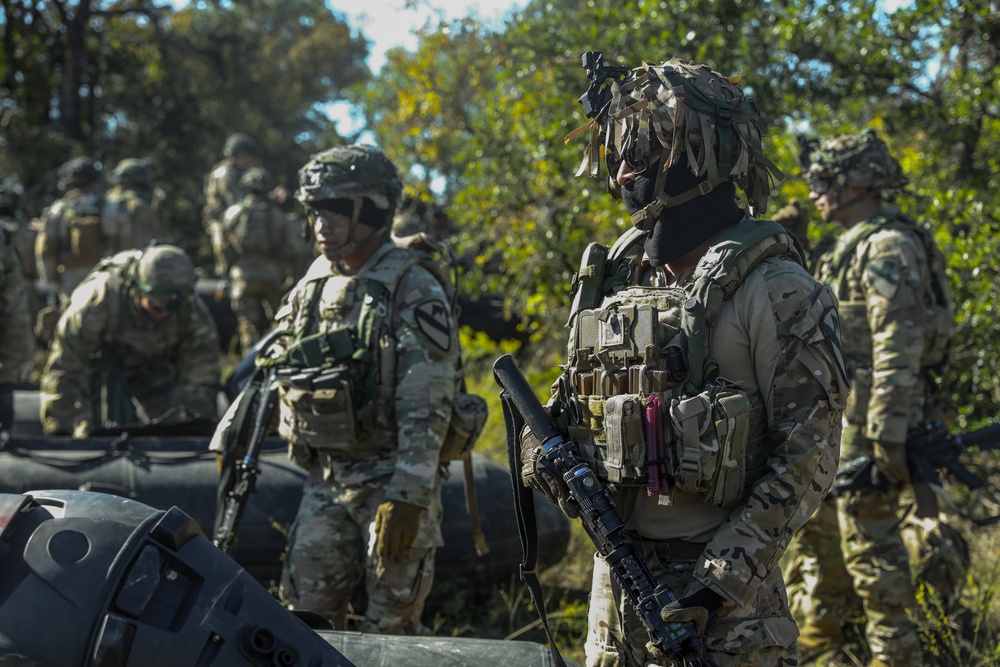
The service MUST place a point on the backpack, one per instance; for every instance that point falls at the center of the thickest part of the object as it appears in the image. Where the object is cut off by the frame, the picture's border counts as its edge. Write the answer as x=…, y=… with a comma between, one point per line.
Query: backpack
x=254, y=230
x=82, y=217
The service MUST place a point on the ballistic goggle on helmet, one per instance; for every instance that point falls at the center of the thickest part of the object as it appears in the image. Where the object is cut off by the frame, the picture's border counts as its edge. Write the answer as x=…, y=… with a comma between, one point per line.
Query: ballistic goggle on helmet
x=690, y=111
x=857, y=160
x=165, y=275
x=351, y=172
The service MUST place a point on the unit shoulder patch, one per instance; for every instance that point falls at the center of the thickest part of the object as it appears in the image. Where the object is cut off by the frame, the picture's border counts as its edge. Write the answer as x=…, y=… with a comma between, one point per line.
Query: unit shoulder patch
x=433, y=322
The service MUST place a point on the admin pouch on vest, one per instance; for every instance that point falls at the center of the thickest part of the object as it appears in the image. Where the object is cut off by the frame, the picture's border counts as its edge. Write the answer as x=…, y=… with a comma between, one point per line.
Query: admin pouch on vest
x=642, y=396
x=337, y=370
x=86, y=239
x=857, y=336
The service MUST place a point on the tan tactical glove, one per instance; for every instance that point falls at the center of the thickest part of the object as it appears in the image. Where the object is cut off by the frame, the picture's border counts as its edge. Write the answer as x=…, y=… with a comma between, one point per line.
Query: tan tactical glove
x=534, y=477
x=890, y=460
x=700, y=608
x=396, y=524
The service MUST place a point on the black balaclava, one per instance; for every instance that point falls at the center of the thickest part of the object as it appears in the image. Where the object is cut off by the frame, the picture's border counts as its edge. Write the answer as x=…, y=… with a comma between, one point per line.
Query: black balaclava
x=680, y=229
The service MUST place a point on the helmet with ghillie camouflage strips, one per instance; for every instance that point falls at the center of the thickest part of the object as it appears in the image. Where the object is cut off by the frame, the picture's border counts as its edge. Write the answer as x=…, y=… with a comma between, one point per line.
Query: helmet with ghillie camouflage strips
x=351, y=172
x=858, y=160
x=79, y=172
x=693, y=113
x=239, y=143
x=133, y=172
x=257, y=180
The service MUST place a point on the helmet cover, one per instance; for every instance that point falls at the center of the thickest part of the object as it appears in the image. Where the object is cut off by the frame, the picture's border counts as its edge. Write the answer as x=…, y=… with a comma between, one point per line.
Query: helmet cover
x=351, y=172
x=692, y=112
x=857, y=160
x=167, y=272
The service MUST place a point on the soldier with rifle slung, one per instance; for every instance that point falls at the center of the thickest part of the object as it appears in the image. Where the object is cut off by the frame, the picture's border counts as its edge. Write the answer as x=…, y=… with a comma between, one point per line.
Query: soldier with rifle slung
x=854, y=565
x=704, y=380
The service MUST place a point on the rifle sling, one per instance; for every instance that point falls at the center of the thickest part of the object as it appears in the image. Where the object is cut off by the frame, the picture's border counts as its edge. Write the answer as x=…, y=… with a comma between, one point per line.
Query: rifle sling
x=527, y=528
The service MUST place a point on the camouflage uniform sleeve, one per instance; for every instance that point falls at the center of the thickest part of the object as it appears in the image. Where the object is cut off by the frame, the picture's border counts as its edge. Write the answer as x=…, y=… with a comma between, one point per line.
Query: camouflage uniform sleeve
x=804, y=385
x=47, y=245
x=427, y=352
x=16, y=338
x=215, y=204
x=198, y=362
x=66, y=386
x=890, y=279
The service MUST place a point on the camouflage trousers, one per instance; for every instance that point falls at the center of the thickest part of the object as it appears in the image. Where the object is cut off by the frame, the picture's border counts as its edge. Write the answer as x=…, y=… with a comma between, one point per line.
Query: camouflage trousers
x=864, y=563
x=254, y=299
x=763, y=634
x=332, y=545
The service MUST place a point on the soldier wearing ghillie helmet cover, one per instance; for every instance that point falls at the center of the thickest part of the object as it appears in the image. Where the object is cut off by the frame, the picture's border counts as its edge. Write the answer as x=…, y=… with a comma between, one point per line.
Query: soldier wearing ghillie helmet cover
x=704, y=378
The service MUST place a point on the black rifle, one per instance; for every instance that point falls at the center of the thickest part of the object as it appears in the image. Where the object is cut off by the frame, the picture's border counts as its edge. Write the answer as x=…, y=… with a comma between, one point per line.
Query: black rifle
x=929, y=448
x=561, y=460
x=245, y=471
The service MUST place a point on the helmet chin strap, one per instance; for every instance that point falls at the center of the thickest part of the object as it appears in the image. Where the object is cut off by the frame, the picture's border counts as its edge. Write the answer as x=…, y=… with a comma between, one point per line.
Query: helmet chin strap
x=646, y=217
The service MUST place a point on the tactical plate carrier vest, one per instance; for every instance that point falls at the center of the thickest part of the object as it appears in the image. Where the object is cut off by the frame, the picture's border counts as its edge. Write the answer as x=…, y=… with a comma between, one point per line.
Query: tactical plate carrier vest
x=333, y=399
x=642, y=396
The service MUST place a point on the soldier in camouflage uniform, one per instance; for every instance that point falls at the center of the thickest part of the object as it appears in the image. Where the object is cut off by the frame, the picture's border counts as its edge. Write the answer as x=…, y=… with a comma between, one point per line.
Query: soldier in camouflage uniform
x=896, y=313
x=16, y=340
x=760, y=396
x=130, y=213
x=366, y=402
x=71, y=241
x=255, y=237
x=222, y=189
x=136, y=327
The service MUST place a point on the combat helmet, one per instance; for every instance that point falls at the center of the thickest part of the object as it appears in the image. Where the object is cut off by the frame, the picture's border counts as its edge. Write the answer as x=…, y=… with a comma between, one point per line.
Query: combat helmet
x=165, y=274
x=257, y=180
x=239, y=143
x=79, y=172
x=689, y=110
x=133, y=172
x=857, y=160
x=351, y=172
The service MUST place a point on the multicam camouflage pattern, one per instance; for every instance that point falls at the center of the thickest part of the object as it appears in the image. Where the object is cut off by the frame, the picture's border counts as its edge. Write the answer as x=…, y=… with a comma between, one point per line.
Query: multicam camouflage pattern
x=820, y=590
x=239, y=143
x=890, y=340
x=349, y=172
x=170, y=367
x=129, y=218
x=393, y=455
x=164, y=270
x=332, y=546
x=255, y=234
x=861, y=160
x=772, y=338
x=63, y=256
x=222, y=189
x=681, y=107
x=16, y=338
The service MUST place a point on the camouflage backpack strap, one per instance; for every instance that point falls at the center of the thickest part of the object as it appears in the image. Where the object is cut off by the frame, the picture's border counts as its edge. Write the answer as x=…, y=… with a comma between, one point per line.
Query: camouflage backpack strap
x=718, y=275
x=845, y=246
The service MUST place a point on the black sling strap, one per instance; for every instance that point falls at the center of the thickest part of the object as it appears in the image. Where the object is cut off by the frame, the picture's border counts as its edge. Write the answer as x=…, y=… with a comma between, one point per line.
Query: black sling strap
x=527, y=528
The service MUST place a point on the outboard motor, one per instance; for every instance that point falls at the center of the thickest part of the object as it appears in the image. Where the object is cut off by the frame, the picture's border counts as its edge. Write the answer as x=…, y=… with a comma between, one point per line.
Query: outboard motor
x=93, y=580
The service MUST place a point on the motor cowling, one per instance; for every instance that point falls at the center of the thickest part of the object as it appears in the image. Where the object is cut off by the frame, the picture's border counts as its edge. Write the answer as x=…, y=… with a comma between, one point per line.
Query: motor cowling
x=97, y=580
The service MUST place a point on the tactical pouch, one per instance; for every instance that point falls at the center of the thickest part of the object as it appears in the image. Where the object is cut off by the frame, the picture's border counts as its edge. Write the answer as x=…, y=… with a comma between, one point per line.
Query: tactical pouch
x=625, y=460
x=709, y=434
x=320, y=349
x=85, y=242
x=468, y=417
x=322, y=419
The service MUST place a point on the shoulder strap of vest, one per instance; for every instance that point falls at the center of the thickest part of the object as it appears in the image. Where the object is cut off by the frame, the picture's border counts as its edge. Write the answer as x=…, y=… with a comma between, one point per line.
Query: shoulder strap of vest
x=718, y=275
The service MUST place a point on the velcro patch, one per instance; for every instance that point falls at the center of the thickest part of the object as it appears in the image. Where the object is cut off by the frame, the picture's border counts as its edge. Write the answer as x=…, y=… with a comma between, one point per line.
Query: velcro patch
x=432, y=320
x=884, y=274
